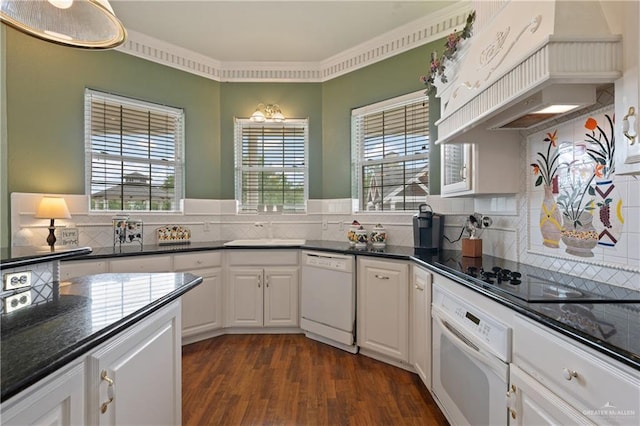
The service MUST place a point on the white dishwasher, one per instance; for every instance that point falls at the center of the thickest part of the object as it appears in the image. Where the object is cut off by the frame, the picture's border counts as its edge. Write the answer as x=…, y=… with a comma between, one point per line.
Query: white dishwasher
x=328, y=311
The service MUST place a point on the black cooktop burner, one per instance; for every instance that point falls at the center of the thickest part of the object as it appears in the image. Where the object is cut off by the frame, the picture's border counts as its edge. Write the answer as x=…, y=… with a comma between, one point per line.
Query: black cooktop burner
x=534, y=284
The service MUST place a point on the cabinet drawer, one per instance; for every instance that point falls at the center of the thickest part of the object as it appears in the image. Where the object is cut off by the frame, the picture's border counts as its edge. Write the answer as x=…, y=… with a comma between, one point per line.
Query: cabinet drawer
x=142, y=264
x=197, y=260
x=589, y=382
x=80, y=268
x=262, y=257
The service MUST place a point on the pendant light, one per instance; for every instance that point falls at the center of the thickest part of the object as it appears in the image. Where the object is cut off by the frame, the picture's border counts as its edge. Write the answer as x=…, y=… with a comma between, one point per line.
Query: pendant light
x=89, y=24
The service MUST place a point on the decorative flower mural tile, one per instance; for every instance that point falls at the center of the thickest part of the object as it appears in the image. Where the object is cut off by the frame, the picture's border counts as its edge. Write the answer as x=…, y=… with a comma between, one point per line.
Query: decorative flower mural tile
x=574, y=164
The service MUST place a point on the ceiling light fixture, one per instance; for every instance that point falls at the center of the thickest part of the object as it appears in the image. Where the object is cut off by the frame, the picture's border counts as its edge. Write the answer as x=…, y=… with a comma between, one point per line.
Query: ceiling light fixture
x=89, y=24
x=269, y=112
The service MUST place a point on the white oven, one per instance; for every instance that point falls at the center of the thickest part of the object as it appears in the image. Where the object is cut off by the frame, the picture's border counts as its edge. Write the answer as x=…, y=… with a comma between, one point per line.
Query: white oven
x=471, y=354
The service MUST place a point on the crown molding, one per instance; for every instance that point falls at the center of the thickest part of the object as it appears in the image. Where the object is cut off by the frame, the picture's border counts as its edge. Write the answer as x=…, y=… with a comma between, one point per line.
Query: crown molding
x=399, y=40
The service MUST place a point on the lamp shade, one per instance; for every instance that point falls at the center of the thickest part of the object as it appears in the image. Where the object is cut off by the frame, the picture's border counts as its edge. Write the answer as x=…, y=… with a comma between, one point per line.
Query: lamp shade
x=80, y=23
x=53, y=208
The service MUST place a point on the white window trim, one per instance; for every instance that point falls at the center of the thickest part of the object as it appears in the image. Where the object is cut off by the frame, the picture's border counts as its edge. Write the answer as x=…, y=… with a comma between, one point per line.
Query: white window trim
x=238, y=123
x=179, y=168
x=356, y=157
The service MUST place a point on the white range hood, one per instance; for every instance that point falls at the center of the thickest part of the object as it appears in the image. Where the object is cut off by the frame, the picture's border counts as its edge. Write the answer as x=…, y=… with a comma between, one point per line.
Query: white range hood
x=528, y=56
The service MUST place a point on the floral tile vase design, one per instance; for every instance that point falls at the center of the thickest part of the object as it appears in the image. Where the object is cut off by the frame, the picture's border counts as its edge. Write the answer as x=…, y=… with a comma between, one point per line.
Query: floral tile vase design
x=609, y=220
x=581, y=237
x=550, y=226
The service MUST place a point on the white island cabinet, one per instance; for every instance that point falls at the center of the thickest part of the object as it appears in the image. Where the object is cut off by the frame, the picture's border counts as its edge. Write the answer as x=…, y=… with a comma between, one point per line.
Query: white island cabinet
x=383, y=309
x=136, y=378
x=258, y=295
x=557, y=381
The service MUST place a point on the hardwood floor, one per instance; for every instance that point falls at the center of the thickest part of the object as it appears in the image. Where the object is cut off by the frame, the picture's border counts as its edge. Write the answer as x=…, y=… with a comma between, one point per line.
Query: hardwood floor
x=291, y=380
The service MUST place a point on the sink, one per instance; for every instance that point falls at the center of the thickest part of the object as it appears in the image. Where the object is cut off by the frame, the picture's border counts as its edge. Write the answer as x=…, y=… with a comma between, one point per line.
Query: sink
x=265, y=242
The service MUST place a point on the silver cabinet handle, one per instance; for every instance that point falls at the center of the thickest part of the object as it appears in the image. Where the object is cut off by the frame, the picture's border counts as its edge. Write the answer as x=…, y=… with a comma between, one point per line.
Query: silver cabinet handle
x=266, y=281
x=419, y=288
x=259, y=281
x=381, y=277
x=110, y=391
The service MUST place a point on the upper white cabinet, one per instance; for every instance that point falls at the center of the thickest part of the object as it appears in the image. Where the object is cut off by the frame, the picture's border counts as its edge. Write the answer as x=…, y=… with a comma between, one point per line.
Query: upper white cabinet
x=627, y=154
x=490, y=167
x=383, y=308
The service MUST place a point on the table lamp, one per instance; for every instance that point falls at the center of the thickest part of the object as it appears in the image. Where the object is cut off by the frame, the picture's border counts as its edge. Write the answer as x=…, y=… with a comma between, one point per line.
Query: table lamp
x=52, y=208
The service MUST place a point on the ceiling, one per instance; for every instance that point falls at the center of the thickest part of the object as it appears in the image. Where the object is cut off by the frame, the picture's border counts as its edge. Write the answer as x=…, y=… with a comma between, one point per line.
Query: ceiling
x=269, y=31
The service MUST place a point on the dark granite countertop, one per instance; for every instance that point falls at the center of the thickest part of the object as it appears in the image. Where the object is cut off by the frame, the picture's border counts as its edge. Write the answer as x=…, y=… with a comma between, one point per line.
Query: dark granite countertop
x=39, y=339
x=15, y=257
x=622, y=345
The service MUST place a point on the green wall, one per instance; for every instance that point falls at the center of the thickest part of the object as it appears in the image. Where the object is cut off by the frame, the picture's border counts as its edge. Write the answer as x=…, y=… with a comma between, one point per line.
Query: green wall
x=44, y=124
x=4, y=196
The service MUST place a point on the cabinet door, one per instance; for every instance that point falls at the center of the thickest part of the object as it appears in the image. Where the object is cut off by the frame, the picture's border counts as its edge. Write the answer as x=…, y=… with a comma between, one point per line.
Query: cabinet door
x=244, y=292
x=202, y=305
x=530, y=403
x=135, y=379
x=383, y=308
x=627, y=88
x=456, y=168
x=57, y=400
x=281, y=297
x=141, y=264
x=421, y=324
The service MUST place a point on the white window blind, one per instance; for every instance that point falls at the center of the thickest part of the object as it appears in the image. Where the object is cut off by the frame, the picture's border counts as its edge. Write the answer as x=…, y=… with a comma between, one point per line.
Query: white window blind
x=133, y=154
x=271, y=165
x=390, y=145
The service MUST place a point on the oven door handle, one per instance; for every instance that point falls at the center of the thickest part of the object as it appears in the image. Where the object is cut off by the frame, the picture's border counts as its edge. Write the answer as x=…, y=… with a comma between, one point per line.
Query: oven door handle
x=467, y=346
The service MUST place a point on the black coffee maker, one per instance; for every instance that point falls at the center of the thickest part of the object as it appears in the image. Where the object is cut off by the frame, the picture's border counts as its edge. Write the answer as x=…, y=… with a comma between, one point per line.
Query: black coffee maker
x=428, y=229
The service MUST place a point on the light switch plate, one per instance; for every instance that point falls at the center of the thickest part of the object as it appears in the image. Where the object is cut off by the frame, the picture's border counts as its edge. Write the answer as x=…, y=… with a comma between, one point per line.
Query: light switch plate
x=17, y=301
x=16, y=280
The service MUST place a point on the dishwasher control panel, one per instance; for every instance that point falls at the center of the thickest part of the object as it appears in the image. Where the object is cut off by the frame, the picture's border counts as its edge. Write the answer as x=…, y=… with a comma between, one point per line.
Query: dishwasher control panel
x=328, y=261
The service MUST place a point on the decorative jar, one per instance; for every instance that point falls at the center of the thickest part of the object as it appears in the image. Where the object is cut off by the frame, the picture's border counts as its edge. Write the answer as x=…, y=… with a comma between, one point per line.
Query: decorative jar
x=378, y=236
x=361, y=237
x=351, y=233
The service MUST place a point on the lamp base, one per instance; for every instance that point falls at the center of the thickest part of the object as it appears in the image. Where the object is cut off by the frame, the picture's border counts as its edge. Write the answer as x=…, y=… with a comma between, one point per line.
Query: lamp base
x=51, y=239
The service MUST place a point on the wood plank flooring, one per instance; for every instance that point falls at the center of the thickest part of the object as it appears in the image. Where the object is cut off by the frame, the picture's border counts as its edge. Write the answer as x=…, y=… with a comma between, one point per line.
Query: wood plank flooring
x=288, y=379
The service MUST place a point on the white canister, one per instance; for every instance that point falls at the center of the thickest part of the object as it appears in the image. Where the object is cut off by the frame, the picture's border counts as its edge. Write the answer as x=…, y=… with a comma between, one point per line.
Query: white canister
x=378, y=236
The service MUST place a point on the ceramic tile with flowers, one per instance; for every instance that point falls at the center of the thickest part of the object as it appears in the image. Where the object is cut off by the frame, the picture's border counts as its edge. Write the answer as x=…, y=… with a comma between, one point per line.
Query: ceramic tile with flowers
x=600, y=139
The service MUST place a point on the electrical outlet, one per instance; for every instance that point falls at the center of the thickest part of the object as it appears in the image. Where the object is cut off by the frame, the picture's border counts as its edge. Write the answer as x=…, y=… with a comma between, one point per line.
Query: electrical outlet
x=325, y=225
x=206, y=227
x=15, y=280
x=341, y=225
x=17, y=301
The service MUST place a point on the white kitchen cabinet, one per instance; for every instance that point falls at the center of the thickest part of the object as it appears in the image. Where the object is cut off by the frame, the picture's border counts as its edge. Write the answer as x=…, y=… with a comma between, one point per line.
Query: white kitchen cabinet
x=627, y=95
x=483, y=168
x=153, y=263
x=80, y=268
x=421, y=323
x=263, y=297
x=562, y=378
x=136, y=378
x=56, y=400
x=530, y=403
x=201, y=306
x=383, y=308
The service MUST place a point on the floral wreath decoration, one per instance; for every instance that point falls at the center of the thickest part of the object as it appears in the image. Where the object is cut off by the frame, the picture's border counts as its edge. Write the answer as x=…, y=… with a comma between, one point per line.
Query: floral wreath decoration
x=436, y=68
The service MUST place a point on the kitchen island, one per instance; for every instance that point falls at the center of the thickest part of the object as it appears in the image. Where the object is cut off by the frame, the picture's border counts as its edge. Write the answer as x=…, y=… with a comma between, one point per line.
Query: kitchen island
x=93, y=327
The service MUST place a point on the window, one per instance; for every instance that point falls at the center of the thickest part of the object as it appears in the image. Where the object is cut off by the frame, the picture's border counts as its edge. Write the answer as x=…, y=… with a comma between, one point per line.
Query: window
x=390, y=149
x=133, y=154
x=271, y=165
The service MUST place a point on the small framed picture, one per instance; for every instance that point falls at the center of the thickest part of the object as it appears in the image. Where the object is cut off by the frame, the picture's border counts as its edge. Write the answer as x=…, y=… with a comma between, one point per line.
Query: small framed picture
x=68, y=237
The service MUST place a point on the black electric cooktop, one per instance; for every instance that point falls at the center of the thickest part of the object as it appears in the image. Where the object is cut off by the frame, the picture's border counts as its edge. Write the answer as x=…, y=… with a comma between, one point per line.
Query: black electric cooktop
x=534, y=284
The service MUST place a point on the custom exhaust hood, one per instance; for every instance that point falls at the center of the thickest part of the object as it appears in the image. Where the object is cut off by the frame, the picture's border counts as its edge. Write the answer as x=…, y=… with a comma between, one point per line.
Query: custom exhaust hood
x=526, y=64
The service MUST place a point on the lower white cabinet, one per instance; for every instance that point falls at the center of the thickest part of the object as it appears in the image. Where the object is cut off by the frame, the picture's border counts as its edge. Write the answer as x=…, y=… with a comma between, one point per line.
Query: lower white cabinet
x=56, y=400
x=202, y=305
x=421, y=323
x=555, y=377
x=383, y=308
x=530, y=403
x=80, y=268
x=136, y=378
x=263, y=297
x=155, y=263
